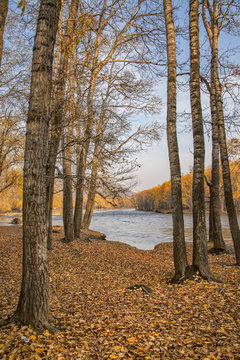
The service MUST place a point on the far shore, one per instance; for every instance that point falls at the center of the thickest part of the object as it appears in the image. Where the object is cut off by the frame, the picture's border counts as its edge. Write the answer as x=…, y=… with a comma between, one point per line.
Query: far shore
x=59, y=211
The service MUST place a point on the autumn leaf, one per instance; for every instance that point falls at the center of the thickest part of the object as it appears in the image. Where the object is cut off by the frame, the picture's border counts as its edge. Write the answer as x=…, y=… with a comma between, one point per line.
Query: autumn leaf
x=98, y=321
x=131, y=340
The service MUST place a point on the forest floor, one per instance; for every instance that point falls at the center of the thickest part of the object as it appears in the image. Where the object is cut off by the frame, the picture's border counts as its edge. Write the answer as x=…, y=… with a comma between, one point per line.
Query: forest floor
x=99, y=318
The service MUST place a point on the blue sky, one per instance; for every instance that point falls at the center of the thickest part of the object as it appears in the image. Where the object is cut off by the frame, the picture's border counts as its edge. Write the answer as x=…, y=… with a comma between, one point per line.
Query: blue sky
x=155, y=165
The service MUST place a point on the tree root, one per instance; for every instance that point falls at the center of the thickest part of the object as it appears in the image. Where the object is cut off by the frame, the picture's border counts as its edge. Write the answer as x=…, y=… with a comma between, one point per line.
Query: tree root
x=40, y=326
x=217, y=251
x=194, y=273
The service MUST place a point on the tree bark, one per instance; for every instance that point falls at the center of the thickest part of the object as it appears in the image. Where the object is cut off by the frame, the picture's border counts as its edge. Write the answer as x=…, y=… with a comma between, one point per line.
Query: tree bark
x=67, y=191
x=33, y=305
x=200, y=251
x=179, y=247
x=215, y=231
x=3, y=16
x=88, y=127
x=82, y=160
x=57, y=115
x=92, y=191
x=215, y=227
x=78, y=210
x=232, y=216
x=50, y=167
x=67, y=161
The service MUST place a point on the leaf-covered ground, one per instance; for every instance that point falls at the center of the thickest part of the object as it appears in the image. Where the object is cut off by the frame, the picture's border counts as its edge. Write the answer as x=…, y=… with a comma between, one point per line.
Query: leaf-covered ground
x=99, y=318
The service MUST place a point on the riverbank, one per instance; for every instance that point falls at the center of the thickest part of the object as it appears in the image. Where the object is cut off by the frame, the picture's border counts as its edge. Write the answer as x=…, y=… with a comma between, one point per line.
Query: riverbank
x=99, y=318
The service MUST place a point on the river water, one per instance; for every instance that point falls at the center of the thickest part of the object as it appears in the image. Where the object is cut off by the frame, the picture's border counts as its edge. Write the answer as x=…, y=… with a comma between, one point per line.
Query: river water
x=141, y=229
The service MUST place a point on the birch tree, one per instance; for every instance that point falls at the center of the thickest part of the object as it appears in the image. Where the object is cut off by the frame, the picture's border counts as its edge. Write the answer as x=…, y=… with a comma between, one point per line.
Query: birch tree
x=213, y=29
x=179, y=247
x=200, y=251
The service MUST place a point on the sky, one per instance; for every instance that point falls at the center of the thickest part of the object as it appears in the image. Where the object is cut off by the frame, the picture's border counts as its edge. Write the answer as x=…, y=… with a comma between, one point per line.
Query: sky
x=155, y=164
x=154, y=161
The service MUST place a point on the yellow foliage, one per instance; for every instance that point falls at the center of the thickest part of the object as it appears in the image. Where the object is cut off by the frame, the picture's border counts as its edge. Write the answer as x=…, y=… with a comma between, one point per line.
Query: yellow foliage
x=159, y=197
x=11, y=197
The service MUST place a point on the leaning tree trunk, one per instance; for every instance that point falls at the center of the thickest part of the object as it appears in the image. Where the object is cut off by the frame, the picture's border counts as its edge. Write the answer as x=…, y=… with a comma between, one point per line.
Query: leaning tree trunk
x=200, y=251
x=3, y=16
x=90, y=200
x=33, y=305
x=88, y=127
x=232, y=215
x=95, y=162
x=179, y=247
x=82, y=159
x=57, y=115
x=92, y=190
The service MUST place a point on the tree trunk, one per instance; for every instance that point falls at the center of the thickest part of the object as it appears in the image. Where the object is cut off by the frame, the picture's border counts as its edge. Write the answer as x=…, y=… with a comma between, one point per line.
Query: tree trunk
x=88, y=126
x=3, y=16
x=50, y=171
x=179, y=247
x=33, y=305
x=92, y=191
x=215, y=230
x=232, y=216
x=78, y=210
x=50, y=163
x=82, y=161
x=200, y=251
x=67, y=192
x=67, y=161
x=58, y=109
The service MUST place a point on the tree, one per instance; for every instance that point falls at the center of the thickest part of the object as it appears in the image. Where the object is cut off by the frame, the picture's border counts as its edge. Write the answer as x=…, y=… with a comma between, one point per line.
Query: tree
x=200, y=251
x=3, y=16
x=179, y=247
x=33, y=304
x=11, y=150
x=125, y=22
x=58, y=111
x=115, y=140
x=213, y=31
x=98, y=61
x=67, y=139
x=215, y=227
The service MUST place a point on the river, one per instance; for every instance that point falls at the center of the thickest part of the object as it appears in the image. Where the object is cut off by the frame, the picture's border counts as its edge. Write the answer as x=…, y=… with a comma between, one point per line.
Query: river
x=141, y=229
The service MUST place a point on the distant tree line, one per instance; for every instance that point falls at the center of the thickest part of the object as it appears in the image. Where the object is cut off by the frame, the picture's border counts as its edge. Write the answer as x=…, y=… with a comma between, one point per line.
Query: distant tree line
x=159, y=198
